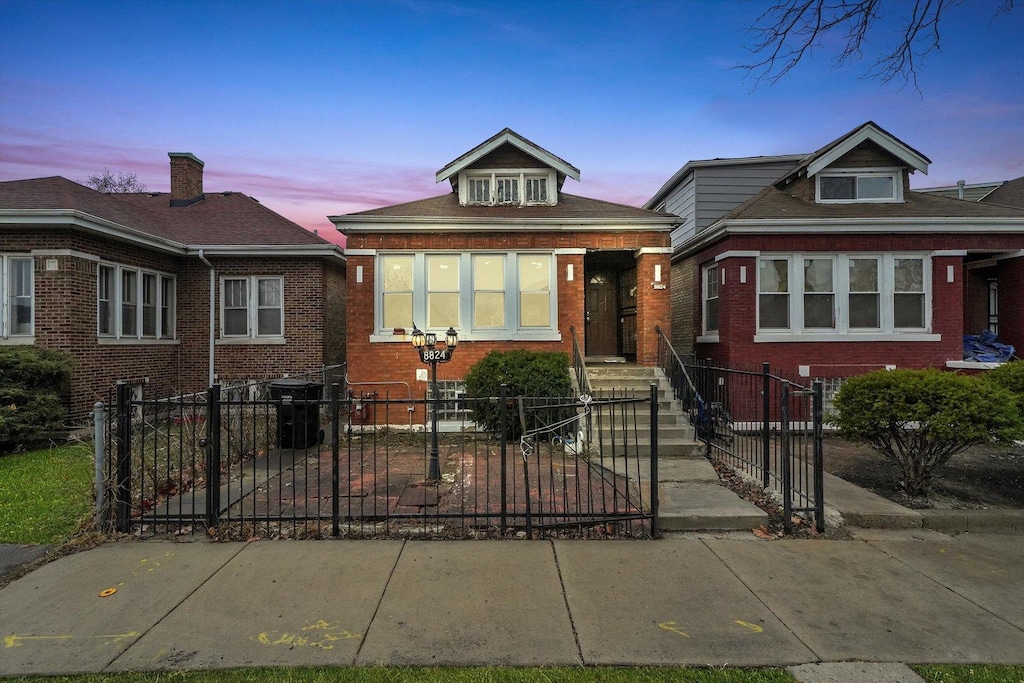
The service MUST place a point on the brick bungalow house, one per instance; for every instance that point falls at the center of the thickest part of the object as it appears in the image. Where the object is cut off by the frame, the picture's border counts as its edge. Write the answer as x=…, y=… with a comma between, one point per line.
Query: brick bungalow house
x=834, y=267
x=509, y=261
x=123, y=283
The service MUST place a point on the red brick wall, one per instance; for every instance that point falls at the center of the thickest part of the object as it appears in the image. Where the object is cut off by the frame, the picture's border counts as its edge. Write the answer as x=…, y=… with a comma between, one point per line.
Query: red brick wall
x=65, y=317
x=398, y=362
x=737, y=307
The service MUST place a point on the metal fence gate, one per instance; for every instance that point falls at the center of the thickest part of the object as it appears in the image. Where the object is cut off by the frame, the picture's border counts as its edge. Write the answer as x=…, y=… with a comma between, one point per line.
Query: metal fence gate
x=243, y=464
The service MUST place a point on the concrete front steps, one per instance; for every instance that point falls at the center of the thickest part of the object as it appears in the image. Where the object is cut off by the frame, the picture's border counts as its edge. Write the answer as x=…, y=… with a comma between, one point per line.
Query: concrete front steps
x=691, y=497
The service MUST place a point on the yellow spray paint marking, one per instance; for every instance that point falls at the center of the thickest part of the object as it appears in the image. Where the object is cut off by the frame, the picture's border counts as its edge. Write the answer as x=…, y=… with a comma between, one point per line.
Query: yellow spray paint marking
x=331, y=634
x=148, y=565
x=671, y=626
x=17, y=641
x=108, y=592
x=753, y=627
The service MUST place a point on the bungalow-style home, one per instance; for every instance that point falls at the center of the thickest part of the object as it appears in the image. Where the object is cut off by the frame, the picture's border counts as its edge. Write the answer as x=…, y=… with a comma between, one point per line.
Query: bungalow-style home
x=507, y=260
x=834, y=267
x=127, y=285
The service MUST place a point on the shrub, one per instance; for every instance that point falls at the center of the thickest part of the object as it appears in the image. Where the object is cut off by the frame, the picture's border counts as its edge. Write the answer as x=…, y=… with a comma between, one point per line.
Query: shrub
x=527, y=373
x=919, y=419
x=32, y=380
x=1009, y=376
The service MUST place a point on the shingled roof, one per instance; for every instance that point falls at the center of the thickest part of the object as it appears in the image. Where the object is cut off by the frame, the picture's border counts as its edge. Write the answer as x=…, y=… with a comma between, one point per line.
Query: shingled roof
x=1010, y=193
x=227, y=218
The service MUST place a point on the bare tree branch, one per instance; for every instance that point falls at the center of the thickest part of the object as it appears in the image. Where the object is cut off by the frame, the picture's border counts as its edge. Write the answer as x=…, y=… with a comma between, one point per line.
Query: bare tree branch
x=791, y=30
x=106, y=181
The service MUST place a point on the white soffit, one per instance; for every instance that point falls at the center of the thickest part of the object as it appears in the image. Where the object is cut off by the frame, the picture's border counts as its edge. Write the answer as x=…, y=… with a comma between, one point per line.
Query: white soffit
x=514, y=139
x=884, y=140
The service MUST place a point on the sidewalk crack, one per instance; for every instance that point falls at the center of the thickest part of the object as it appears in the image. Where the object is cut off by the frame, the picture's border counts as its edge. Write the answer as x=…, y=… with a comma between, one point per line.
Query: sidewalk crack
x=376, y=609
x=565, y=597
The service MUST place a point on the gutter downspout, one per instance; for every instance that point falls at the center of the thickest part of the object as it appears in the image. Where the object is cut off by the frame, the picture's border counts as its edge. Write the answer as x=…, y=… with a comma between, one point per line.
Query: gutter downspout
x=213, y=292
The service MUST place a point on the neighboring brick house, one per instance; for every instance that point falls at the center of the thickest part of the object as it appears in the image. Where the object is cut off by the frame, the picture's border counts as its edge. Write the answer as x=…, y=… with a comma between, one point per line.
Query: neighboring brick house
x=835, y=267
x=122, y=282
x=509, y=261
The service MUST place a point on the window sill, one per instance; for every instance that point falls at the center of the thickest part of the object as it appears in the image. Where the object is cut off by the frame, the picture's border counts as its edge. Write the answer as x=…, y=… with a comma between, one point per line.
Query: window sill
x=16, y=341
x=134, y=341
x=971, y=365
x=777, y=337
x=708, y=338
x=249, y=341
x=547, y=336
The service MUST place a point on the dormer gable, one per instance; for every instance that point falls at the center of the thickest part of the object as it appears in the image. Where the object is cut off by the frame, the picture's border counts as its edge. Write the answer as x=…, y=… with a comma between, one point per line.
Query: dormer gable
x=867, y=165
x=507, y=169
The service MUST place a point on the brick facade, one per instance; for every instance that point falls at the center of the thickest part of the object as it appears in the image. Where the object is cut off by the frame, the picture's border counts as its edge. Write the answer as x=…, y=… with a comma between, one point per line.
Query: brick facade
x=66, y=316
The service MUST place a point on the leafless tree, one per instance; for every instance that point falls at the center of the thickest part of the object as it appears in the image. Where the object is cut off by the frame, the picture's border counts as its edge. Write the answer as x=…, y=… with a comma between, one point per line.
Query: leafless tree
x=106, y=181
x=790, y=29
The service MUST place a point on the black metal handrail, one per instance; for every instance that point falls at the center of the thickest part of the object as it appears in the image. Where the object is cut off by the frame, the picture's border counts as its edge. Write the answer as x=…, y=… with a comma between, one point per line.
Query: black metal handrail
x=683, y=388
x=579, y=365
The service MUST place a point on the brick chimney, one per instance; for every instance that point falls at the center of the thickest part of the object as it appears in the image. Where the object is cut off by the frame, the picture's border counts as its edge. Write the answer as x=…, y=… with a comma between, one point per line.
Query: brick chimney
x=186, y=179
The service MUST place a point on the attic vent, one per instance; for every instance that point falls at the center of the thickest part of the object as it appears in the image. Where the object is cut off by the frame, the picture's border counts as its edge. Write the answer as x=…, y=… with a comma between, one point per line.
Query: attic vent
x=154, y=194
x=227, y=194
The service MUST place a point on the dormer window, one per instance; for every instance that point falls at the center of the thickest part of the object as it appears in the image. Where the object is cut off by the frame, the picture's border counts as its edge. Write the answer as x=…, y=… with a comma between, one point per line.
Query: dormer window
x=519, y=187
x=859, y=186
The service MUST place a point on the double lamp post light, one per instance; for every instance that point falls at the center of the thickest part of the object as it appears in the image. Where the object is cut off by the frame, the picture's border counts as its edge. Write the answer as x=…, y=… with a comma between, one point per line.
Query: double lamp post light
x=426, y=345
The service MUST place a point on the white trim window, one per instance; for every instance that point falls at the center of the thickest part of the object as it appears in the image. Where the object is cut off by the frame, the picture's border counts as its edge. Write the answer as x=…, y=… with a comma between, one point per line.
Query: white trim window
x=132, y=303
x=855, y=185
x=709, y=299
x=521, y=187
x=252, y=307
x=17, y=289
x=844, y=293
x=483, y=295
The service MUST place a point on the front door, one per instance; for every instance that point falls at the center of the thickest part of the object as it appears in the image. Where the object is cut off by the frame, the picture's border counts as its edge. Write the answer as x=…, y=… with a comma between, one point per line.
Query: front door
x=602, y=314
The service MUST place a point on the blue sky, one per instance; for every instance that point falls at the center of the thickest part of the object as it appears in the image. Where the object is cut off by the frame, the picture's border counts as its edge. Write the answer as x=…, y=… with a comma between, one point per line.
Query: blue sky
x=319, y=108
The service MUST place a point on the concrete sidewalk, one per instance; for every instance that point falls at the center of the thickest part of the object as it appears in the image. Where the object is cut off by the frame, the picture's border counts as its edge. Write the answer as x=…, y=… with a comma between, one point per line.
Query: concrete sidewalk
x=892, y=596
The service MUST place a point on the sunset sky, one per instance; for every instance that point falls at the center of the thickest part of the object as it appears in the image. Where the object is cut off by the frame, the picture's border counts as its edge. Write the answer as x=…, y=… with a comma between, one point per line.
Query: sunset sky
x=322, y=108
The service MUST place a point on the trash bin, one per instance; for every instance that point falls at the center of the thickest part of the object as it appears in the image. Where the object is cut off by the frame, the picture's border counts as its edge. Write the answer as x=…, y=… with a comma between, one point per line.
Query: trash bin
x=298, y=423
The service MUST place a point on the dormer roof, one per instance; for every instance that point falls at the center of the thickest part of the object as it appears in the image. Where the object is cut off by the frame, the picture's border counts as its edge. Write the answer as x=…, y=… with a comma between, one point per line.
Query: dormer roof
x=866, y=132
x=510, y=137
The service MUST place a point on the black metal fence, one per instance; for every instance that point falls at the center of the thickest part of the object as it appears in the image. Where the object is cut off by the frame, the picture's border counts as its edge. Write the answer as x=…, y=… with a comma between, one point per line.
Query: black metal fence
x=308, y=465
x=760, y=424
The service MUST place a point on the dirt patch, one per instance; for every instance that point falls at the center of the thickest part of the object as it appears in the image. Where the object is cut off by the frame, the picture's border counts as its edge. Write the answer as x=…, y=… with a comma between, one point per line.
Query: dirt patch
x=980, y=477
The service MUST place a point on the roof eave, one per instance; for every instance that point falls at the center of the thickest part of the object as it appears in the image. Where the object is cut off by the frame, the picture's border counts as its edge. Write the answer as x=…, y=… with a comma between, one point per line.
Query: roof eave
x=513, y=138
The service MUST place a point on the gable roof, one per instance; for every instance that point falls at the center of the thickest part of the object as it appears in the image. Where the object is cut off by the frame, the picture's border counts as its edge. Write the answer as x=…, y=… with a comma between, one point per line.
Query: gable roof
x=230, y=220
x=507, y=136
x=869, y=131
x=446, y=209
x=1010, y=193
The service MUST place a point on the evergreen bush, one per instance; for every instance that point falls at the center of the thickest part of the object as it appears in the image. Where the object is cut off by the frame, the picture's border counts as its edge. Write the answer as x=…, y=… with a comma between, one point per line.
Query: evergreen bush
x=919, y=419
x=1009, y=376
x=527, y=373
x=32, y=381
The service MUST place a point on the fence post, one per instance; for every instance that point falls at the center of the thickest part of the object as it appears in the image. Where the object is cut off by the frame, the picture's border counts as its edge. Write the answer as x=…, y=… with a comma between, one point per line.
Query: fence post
x=787, y=465
x=335, y=477
x=654, y=459
x=99, y=443
x=124, y=463
x=213, y=456
x=502, y=429
x=819, y=456
x=766, y=437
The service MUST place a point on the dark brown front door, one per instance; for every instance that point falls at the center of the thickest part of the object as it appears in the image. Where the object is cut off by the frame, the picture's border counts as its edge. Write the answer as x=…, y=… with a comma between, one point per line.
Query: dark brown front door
x=602, y=315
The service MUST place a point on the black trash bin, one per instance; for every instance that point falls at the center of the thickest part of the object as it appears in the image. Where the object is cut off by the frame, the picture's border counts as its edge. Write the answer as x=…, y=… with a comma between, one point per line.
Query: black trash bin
x=298, y=423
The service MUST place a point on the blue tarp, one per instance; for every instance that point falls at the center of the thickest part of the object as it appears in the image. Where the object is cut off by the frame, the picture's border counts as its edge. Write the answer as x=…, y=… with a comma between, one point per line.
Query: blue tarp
x=985, y=349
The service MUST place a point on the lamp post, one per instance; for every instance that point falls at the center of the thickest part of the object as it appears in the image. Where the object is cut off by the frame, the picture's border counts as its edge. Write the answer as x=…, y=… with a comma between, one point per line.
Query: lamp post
x=426, y=346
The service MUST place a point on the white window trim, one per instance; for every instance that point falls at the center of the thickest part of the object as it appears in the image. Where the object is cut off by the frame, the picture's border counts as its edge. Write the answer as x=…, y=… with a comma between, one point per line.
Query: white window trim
x=896, y=174
x=704, y=301
x=6, y=336
x=512, y=331
x=117, y=336
x=887, y=331
x=252, y=312
x=523, y=174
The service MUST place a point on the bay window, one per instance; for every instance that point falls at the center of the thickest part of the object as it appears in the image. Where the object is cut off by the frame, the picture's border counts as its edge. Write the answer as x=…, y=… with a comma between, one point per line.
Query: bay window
x=17, y=297
x=132, y=303
x=844, y=293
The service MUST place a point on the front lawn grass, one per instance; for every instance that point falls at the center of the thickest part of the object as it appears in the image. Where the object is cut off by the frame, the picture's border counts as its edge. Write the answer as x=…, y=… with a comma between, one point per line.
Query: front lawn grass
x=454, y=674
x=46, y=493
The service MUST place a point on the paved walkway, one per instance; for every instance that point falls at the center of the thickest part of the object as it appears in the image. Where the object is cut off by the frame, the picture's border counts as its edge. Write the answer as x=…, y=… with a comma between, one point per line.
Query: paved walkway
x=890, y=596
